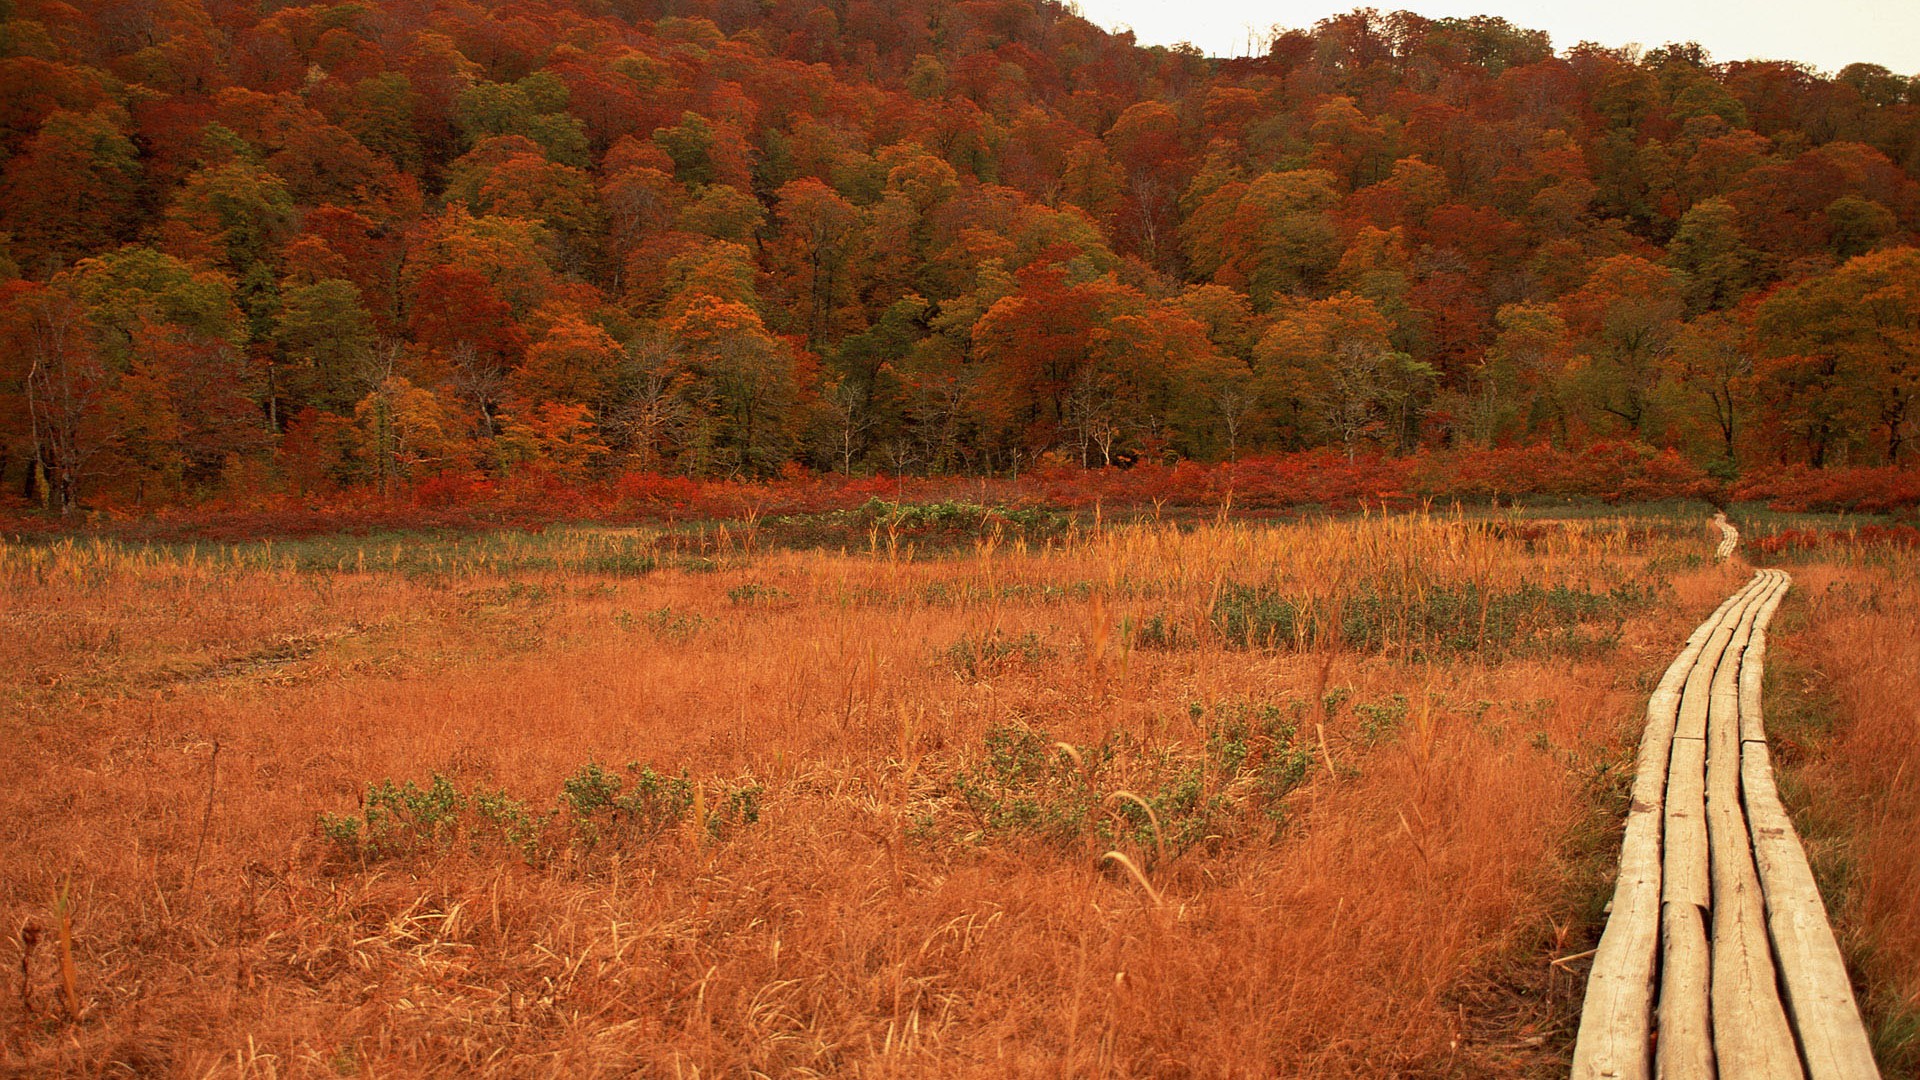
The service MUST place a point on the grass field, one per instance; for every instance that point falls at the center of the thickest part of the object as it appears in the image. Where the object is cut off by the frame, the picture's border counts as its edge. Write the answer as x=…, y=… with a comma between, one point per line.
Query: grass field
x=987, y=796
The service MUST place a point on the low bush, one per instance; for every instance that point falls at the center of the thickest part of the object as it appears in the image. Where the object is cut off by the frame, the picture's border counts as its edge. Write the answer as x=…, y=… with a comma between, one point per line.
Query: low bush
x=595, y=808
x=976, y=656
x=1156, y=802
x=1803, y=541
x=1436, y=620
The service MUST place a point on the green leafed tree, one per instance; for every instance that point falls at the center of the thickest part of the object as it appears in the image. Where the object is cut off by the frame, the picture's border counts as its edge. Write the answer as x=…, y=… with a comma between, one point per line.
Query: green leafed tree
x=324, y=335
x=1842, y=358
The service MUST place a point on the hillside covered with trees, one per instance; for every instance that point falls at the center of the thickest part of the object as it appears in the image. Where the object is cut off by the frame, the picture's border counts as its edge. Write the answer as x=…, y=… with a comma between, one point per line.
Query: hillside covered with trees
x=255, y=247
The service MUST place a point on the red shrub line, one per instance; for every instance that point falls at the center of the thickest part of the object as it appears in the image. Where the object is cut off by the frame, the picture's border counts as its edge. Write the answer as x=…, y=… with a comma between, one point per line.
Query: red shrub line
x=1862, y=489
x=1871, y=535
x=1609, y=472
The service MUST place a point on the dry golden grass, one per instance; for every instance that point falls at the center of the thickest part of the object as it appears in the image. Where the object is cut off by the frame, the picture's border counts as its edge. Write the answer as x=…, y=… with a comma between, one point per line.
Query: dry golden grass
x=1395, y=913
x=1846, y=707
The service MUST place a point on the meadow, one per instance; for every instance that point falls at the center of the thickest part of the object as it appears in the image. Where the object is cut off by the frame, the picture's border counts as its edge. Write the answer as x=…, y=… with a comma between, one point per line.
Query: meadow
x=943, y=791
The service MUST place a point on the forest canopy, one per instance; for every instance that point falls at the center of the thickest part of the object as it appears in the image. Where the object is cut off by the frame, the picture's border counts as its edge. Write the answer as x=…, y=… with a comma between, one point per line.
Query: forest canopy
x=249, y=246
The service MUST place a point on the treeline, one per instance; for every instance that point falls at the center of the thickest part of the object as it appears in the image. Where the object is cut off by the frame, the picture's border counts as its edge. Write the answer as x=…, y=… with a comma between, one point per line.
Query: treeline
x=262, y=248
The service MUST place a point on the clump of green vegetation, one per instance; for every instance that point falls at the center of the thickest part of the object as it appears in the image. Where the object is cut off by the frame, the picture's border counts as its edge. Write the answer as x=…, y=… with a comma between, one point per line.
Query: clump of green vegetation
x=399, y=819
x=508, y=820
x=517, y=592
x=1380, y=721
x=1159, y=630
x=667, y=623
x=1437, y=620
x=595, y=807
x=1668, y=564
x=1120, y=792
x=753, y=592
x=619, y=563
x=601, y=808
x=975, y=657
x=1253, y=617
x=1259, y=747
x=952, y=516
x=1023, y=783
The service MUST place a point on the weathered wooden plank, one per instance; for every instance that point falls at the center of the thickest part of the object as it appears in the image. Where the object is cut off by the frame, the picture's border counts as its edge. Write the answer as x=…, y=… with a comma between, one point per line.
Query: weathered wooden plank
x=1694, y=695
x=1819, y=994
x=1812, y=972
x=1685, y=1050
x=1729, y=538
x=1616, y=1023
x=1751, y=1036
x=1752, y=726
x=1685, y=1045
x=1685, y=865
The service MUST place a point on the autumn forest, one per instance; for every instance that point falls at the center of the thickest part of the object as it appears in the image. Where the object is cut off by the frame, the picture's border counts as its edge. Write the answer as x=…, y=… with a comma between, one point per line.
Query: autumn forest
x=926, y=538
x=255, y=247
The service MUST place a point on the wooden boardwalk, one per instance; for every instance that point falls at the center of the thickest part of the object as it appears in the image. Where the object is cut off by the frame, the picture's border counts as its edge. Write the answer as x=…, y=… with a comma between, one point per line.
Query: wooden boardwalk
x=1729, y=537
x=1717, y=959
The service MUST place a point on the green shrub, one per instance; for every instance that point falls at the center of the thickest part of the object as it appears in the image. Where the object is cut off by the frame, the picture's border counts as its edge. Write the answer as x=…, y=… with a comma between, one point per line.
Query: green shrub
x=1380, y=721
x=988, y=654
x=1023, y=784
x=620, y=564
x=756, y=593
x=1252, y=617
x=671, y=624
x=508, y=820
x=1159, y=631
x=595, y=806
x=1435, y=620
x=399, y=819
x=1259, y=744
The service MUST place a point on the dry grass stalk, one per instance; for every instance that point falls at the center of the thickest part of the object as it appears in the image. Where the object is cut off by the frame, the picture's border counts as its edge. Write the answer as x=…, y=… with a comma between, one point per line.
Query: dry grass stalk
x=1153, y=820
x=206, y=820
x=1139, y=876
x=69, y=979
x=29, y=941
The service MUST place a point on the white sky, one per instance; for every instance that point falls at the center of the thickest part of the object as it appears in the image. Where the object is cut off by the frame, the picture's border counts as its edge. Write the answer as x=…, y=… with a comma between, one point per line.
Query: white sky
x=1829, y=34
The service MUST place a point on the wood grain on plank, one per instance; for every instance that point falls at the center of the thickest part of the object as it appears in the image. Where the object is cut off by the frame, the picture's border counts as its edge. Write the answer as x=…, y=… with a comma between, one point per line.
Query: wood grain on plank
x=1813, y=974
x=1615, y=1039
x=1715, y=901
x=1684, y=864
x=1692, y=720
x=1685, y=1049
x=1752, y=726
x=1751, y=1035
x=1819, y=994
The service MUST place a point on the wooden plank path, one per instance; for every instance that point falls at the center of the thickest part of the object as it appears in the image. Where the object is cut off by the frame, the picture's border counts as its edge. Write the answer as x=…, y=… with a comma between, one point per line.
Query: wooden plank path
x=1729, y=537
x=1717, y=959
